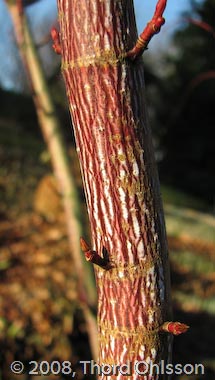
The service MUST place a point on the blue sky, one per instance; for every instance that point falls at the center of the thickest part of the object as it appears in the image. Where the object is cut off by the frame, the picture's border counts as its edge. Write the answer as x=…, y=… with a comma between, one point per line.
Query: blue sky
x=46, y=11
x=173, y=16
x=174, y=8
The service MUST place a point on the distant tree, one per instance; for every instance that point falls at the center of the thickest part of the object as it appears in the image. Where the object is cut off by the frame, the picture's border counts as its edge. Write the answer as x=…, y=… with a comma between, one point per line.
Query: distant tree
x=42, y=18
x=185, y=120
x=53, y=136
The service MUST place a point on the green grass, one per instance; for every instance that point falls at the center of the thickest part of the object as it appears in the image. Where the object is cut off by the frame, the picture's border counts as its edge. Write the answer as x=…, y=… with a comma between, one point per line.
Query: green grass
x=194, y=303
x=193, y=274
x=194, y=291
x=193, y=263
x=187, y=221
x=180, y=199
x=187, y=215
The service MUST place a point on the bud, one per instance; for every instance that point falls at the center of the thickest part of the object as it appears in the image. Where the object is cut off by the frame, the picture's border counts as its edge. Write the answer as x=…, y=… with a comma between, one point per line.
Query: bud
x=55, y=37
x=175, y=328
x=84, y=246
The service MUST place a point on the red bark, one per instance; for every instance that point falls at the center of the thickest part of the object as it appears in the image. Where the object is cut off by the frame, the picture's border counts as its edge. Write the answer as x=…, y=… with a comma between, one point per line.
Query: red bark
x=107, y=103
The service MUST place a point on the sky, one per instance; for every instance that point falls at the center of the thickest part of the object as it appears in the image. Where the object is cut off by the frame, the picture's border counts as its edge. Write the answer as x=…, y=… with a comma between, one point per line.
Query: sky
x=173, y=11
x=144, y=10
x=47, y=10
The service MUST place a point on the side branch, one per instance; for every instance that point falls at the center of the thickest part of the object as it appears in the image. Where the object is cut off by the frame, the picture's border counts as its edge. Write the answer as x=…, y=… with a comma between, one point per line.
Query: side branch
x=153, y=27
x=92, y=256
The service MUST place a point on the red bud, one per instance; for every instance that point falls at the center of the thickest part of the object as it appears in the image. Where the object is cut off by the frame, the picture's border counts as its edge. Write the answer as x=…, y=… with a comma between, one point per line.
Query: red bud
x=175, y=328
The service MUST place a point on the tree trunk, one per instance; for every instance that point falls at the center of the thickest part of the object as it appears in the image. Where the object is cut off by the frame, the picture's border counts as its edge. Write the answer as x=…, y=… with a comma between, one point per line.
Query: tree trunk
x=107, y=103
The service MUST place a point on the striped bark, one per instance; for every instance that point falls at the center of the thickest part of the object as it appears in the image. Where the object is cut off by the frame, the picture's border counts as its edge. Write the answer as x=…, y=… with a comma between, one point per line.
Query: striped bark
x=107, y=103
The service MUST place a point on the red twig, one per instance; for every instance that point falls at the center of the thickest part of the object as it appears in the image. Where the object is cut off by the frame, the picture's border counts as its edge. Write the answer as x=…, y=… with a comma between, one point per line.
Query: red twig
x=199, y=79
x=153, y=27
x=203, y=25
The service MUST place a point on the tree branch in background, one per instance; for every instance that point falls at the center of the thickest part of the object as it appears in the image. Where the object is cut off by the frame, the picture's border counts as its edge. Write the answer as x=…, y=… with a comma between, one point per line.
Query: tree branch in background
x=203, y=25
x=51, y=130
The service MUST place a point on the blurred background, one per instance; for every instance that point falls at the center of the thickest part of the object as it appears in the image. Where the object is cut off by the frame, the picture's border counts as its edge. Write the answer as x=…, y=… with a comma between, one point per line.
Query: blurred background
x=41, y=315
